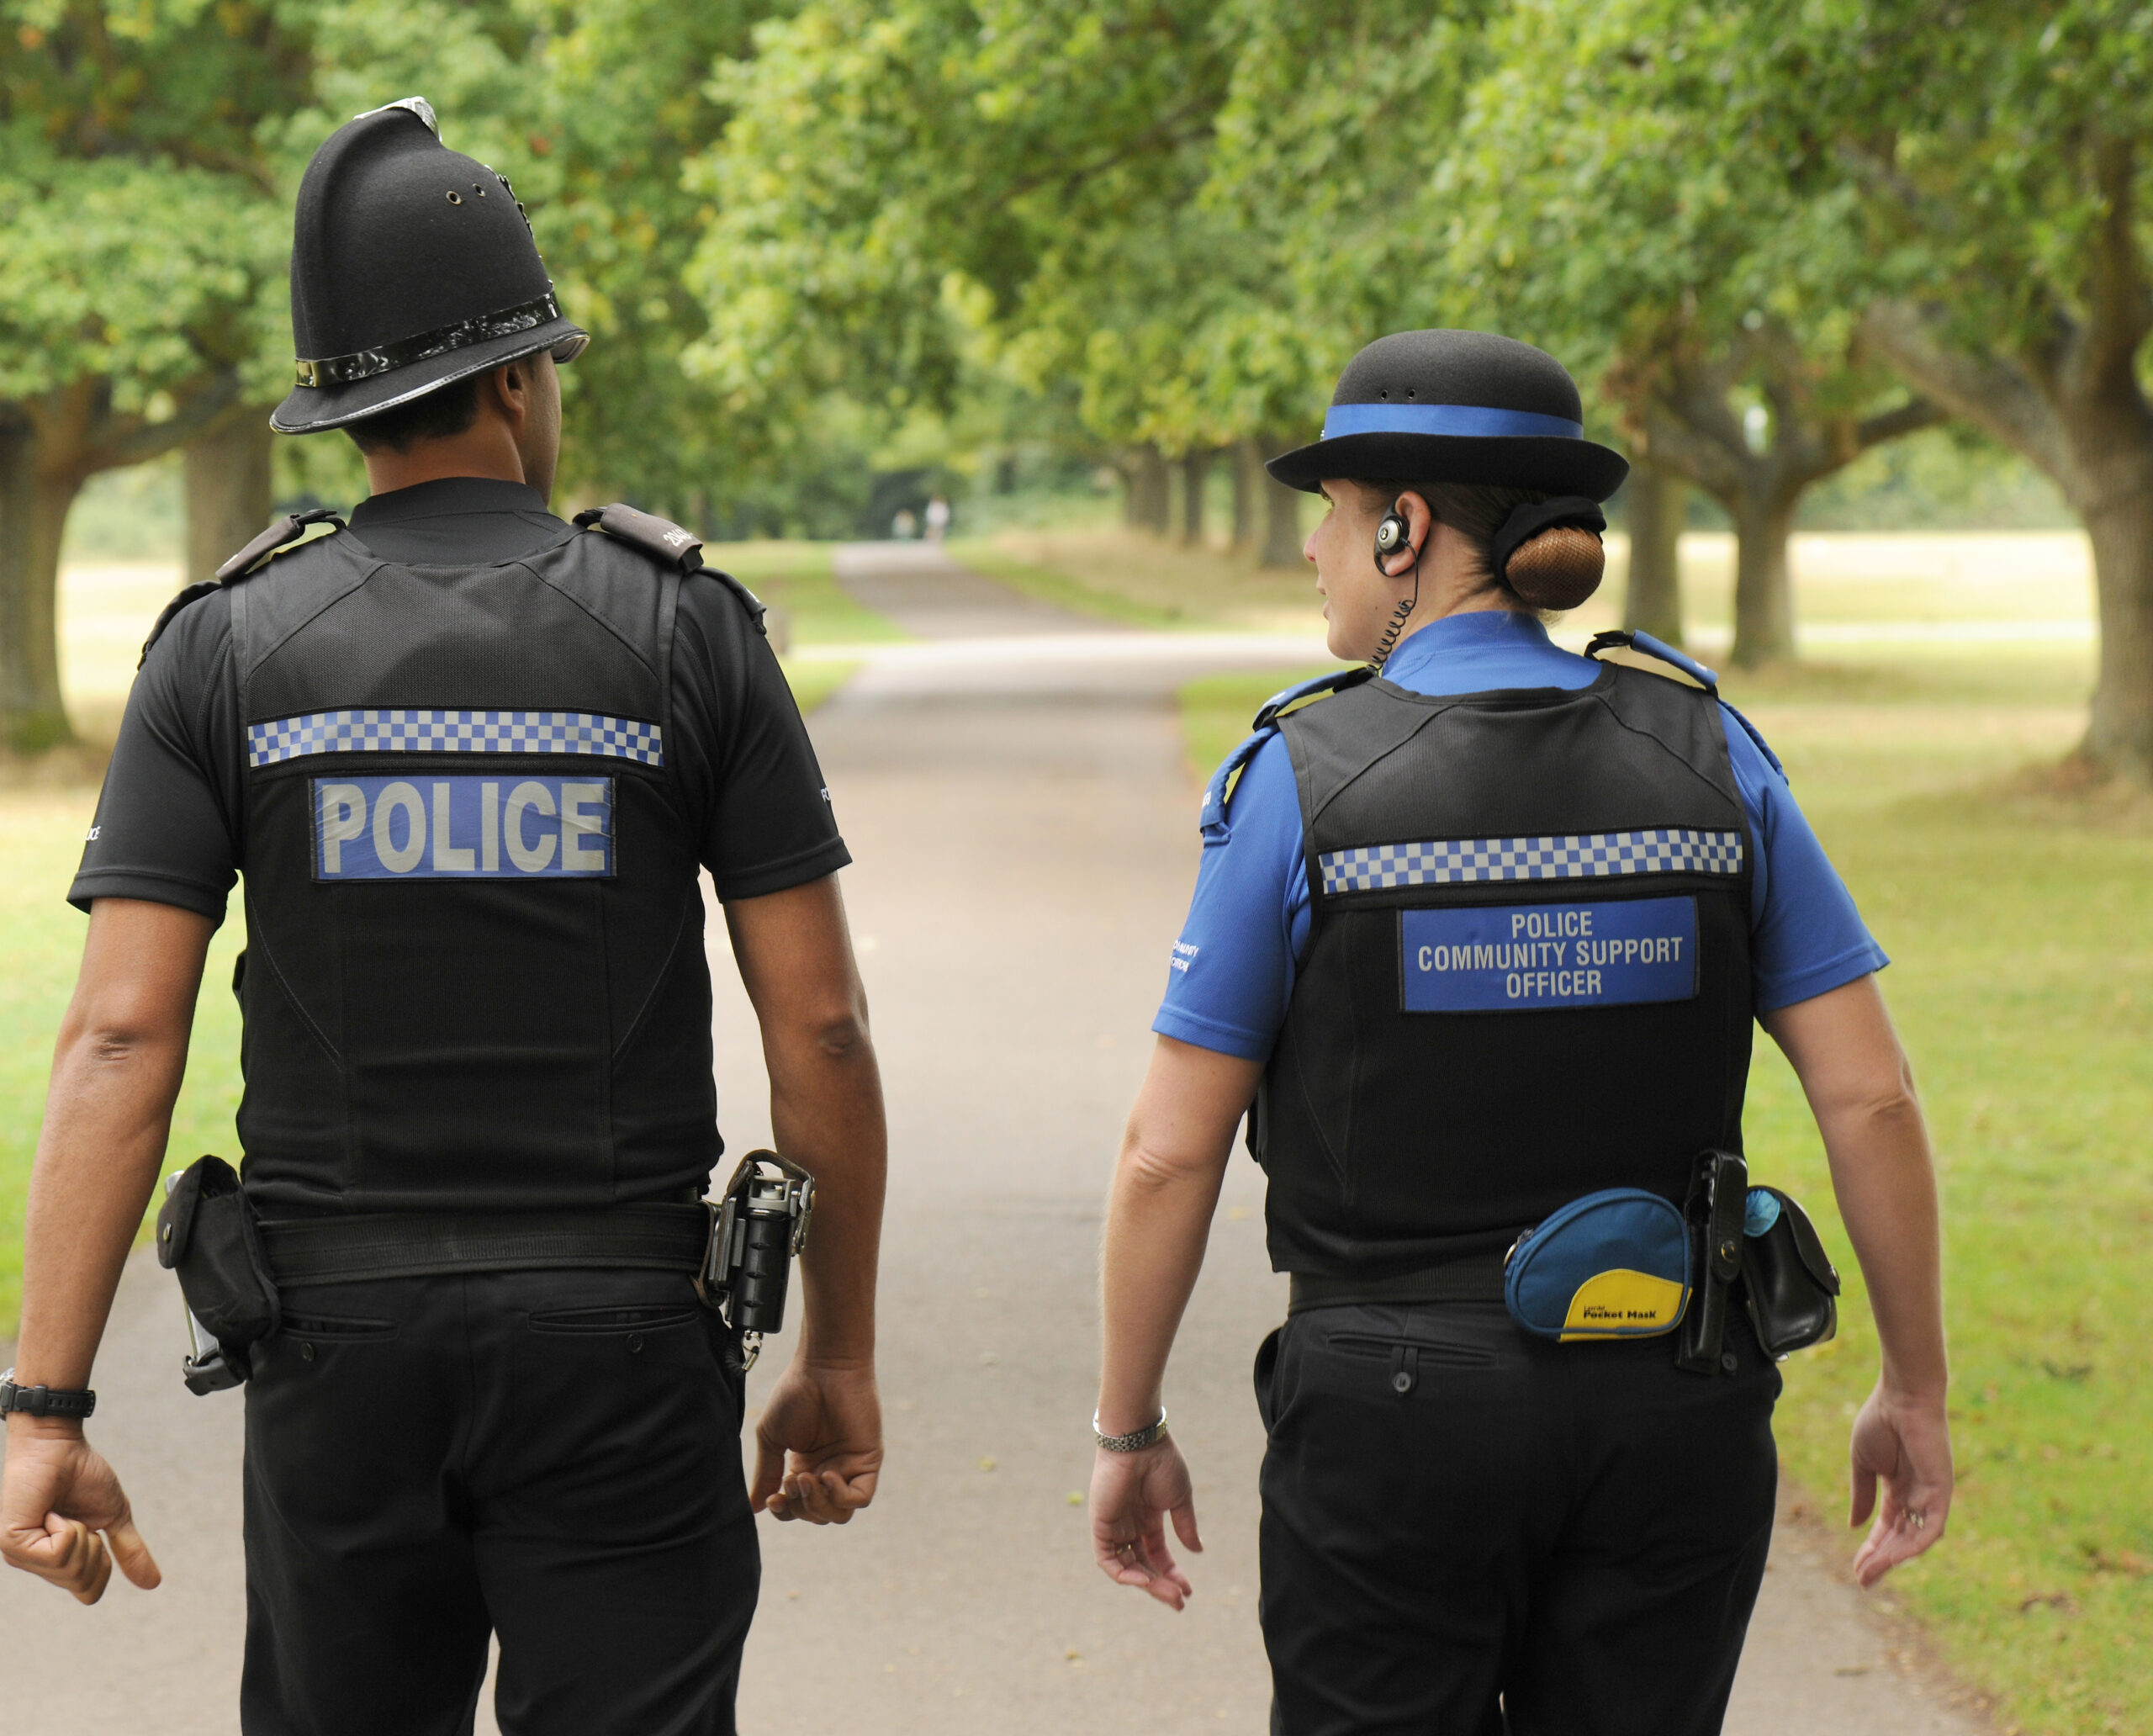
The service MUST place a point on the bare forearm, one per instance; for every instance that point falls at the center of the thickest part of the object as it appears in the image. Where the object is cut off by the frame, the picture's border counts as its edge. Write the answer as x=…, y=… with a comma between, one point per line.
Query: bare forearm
x=107, y=1119
x=1886, y=1188
x=1861, y=1090
x=1158, y=1223
x=826, y=1111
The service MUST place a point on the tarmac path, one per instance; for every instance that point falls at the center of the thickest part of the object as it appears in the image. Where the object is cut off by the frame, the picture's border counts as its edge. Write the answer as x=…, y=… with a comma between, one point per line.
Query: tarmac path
x=1024, y=827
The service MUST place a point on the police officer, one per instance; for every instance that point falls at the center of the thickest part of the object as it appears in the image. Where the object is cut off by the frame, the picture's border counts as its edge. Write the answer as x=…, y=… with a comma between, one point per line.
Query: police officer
x=1467, y=1527
x=470, y=760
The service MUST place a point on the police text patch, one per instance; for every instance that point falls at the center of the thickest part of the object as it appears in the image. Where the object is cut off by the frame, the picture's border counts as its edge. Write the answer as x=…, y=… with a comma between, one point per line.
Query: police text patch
x=1513, y=957
x=461, y=828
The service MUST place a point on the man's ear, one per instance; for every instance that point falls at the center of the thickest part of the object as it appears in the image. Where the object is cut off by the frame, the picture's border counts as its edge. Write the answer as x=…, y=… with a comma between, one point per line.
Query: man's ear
x=509, y=387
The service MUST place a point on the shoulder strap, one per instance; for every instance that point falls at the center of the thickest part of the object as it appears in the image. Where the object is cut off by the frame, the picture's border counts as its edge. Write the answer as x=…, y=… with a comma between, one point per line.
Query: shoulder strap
x=287, y=529
x=1219, y=790
x=1316, y=687
x=1624, y=639
x=1689, y=666
x=667, y=543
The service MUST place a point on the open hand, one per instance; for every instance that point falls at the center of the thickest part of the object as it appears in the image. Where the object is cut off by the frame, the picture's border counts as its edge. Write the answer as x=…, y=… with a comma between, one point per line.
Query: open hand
x=1131, y=1495
x=818, y=1444
x=1906, y=1444
x=63, y=1514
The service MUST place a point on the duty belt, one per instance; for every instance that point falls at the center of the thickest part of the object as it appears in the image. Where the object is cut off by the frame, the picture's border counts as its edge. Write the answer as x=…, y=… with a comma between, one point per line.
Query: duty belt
x=653, y=1238
x=1471, y=1278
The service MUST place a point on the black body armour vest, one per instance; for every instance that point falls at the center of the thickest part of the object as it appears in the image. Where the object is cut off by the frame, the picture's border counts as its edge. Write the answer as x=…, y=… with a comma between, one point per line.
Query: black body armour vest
x=1528, y=970
x=474, y=975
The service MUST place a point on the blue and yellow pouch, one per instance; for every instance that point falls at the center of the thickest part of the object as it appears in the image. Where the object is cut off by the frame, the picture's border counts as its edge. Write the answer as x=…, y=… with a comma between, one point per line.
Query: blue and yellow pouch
x=1613, y=1264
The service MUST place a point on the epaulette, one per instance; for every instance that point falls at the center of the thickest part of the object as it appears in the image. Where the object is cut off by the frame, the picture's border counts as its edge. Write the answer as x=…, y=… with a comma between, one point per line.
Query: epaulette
x=665, y=541
x=1623, y=638
x=1708, y=679
x=288, y=529
x=1219, y=791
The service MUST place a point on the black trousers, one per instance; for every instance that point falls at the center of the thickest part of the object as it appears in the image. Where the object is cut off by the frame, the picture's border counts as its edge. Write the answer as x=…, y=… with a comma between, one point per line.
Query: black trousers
x=551, y=1456
x=1468, y=1530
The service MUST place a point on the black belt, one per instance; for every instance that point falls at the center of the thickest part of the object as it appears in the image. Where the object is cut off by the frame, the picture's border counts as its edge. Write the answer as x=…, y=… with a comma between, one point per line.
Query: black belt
x=1472, y=1277
x=651, y=1238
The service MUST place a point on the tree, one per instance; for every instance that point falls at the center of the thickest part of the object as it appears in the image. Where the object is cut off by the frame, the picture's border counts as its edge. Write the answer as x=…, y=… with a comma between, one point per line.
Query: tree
x=2001, y=158
x=131, y=198
x=1604, y=203
x=1655, y=504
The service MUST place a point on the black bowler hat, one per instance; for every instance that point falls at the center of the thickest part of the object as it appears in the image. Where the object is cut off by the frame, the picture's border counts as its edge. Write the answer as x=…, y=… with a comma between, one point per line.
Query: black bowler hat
x=1456, y=406
x=412, y=266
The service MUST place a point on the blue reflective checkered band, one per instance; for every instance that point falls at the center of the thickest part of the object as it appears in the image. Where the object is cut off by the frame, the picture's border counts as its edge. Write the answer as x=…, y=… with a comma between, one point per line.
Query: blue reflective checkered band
x=1472, y=421
x=1587, y=856
x=421, y=732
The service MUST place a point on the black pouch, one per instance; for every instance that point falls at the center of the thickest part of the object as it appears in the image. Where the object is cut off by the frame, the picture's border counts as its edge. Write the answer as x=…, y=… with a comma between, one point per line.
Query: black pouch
x=206, y=1234
x=1719, y=1187
x=1788, y=1282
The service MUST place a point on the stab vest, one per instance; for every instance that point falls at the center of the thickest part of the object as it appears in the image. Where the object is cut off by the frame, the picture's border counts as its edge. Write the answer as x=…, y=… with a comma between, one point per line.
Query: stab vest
x=474, y=976
x=1527, y=975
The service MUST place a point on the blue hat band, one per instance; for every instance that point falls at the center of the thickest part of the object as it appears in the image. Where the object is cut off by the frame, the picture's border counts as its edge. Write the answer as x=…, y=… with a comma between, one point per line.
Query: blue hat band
x=1472, y=421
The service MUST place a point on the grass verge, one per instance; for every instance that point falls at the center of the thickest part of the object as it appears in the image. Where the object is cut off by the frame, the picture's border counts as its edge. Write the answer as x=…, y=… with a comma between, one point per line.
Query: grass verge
x=2020, y=921
x=1084, y=596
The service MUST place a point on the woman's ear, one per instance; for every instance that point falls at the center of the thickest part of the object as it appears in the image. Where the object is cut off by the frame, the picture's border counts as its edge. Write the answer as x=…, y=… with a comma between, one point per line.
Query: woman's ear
x=1419, y=525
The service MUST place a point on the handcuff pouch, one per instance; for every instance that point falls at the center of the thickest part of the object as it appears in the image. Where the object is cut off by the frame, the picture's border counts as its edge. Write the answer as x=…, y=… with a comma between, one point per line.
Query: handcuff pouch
x=206, y=1233
x=1788, y=1282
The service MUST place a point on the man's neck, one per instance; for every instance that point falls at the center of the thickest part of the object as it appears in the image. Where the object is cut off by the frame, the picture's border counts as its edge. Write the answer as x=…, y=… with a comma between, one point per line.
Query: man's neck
x=494, y=460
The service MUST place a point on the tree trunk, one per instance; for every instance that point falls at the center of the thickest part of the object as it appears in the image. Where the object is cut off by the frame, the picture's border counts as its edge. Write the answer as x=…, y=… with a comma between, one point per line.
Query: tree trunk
x=1149, y=493
x=1195, y=472
x=33, y=505
x=1282, y=523
x=1763, y=597
x=1247, y=455
x=228, y=490
x=2119, y=738
x=1656, y=502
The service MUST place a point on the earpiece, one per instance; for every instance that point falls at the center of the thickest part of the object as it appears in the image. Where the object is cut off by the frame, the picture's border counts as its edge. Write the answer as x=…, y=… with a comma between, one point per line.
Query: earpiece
x=1393, y=534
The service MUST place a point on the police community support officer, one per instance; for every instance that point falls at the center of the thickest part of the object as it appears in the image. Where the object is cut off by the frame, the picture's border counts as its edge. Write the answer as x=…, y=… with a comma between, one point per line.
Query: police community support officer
x=1466, y=1528
x=468, y=758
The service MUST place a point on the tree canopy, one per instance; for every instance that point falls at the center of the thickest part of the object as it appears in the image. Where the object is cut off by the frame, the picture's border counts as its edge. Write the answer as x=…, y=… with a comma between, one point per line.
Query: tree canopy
x=811, y=235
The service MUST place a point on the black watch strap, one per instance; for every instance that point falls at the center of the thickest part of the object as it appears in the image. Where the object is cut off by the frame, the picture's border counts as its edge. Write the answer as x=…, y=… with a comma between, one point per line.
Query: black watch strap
x=44, y=1400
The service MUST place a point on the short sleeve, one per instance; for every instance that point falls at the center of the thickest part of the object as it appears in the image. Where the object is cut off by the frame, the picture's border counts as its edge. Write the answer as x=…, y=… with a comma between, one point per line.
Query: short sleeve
x=1232, y=969
x=1806, y=938
x=760, y=803
x=167, y=825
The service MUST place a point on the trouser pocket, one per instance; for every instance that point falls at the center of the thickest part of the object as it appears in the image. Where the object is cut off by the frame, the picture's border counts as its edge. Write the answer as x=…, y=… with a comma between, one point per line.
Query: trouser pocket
x=1266, y=1368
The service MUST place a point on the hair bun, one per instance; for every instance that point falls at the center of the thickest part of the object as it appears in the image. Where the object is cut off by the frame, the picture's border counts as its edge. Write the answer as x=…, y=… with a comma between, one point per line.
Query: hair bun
x=1558, y=569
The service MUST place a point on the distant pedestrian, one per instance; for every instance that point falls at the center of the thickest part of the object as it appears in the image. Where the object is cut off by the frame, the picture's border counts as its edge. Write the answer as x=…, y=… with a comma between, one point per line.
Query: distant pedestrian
x=904, y=526
x=938, y=518
x=1480, y=936
x=473, y=762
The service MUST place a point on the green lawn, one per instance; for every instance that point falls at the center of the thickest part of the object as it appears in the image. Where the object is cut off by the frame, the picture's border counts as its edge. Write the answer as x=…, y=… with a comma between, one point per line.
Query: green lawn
x=2020, y=924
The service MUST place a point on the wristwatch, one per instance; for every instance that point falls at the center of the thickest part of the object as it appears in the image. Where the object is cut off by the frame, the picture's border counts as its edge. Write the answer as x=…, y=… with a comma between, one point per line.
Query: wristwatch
x=1148, y=1436
x=44, y=1400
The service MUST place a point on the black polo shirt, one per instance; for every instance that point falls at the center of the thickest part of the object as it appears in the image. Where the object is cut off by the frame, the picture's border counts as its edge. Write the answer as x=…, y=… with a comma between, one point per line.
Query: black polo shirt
x=171, y=820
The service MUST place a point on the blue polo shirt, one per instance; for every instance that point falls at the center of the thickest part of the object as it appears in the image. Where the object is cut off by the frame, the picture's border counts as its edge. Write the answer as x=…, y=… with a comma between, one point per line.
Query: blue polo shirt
x=1233, y=967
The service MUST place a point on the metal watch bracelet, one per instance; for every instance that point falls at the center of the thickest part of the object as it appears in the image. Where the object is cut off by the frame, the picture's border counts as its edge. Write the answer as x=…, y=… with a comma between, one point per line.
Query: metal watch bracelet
x=45, y=1401
x=1148, y=1435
